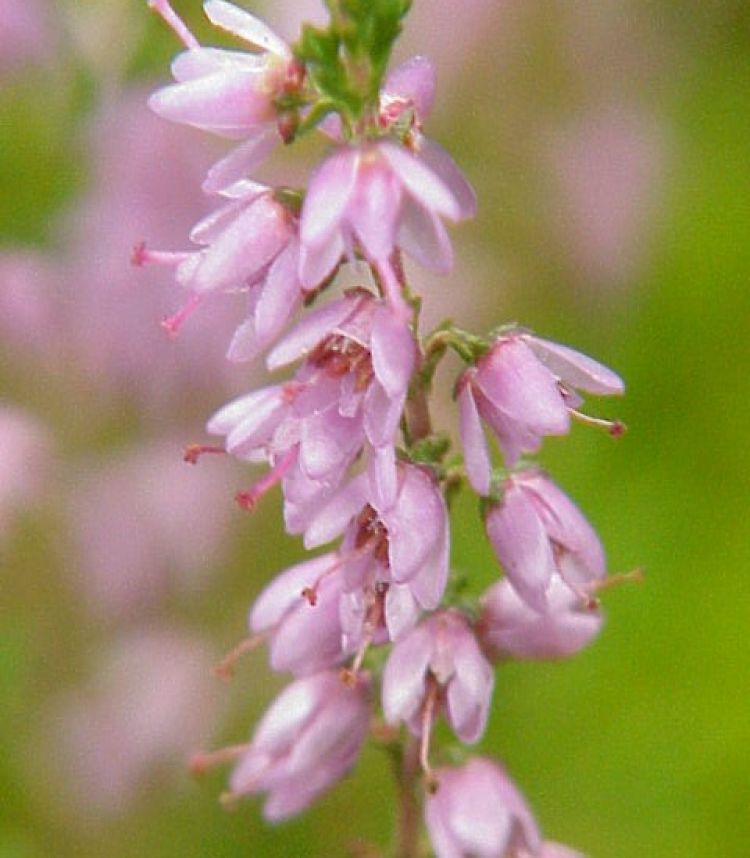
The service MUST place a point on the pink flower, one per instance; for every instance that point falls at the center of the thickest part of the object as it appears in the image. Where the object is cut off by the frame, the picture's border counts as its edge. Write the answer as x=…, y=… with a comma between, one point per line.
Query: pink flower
x=350, y=388
x=509, y=628
x=525, y=388
x=538, y=532
x=377, y=196
x=478, y=811
x=26, y=463
x=398, y=550
x=308, y=739
x=26, y=34
x=439, y=665
x=249, y=245
x=149, y=705
x=228, y=92
x=304, y=634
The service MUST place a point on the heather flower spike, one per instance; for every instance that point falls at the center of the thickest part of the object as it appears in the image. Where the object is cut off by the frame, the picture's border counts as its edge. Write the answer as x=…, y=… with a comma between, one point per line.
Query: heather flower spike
x=378, y=622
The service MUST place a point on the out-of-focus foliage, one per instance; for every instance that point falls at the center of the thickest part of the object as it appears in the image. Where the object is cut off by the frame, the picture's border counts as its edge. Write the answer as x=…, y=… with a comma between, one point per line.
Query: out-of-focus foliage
x=608, y=142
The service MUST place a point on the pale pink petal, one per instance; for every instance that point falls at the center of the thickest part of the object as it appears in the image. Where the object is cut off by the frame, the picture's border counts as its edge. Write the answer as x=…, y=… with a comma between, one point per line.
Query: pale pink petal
x=576, y=369
x=327, y=442
x=423, y=236
x=199, y=62
x=470, y=689
x=416, y=523
x=419, y=180
x=404, y=675
x=313, y=328
x=328, y=195
x=401, y=610
x=239, y=409
x=446, y=169
x=337, y=513
x=414, y=80
x=393, y=351
x=226, y=101
x=384, y=483
x=476, y=456
x=317, y=264
x=240, y=161
x=280, y=294
x=522, y=546
x=428, y=585
x=245, y=26
x=374, y=209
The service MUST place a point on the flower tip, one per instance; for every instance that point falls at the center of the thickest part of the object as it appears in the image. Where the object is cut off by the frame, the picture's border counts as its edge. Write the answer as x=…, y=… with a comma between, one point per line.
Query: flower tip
x=138, y=254
x=617, y=429
x=247, y=500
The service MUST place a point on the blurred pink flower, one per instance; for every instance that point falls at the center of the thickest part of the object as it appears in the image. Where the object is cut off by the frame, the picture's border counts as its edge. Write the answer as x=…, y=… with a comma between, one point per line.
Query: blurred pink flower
x=26, y=34
x=308, y=739
x=29, y=303
x=151, y=702
x=145, y=185
x=509, y=628
x=477, y=810
x=146, y=525
x=26, y=463
x=607, y=167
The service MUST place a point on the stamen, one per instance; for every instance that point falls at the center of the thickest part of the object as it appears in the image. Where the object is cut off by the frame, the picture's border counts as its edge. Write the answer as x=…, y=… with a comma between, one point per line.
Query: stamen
x=173, y=323
x=428, y=713
x=636, y=576
x=249, y=499
x=202, y=761
x=311, y=591
x=193, y=452
x=616, y=428
x=373, y=621
x=173, y=20
x=141, y=255
x=225, y=668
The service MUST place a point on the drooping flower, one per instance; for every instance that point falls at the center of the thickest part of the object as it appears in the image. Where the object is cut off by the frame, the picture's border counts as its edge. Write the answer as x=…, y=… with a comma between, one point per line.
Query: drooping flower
x=230, y=93
x=394, y=554
x=308, y=739
x=350, y=389
x=304, y=634
x=509, y=628
x=377, y=197
x=525, y=388
x=439, y=665
x=248, y=245
x=478, y=811
x=538, y=532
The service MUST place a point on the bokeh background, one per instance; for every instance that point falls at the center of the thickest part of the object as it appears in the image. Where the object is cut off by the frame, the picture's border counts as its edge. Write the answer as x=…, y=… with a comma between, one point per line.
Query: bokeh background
x=609, y=141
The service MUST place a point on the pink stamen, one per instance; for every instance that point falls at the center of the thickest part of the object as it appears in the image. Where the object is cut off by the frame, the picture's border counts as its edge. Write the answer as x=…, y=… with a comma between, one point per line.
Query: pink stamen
x=141, y=255
x=428, y=715
x=616, y=428
x=225, y=668
x=202, y=761
x=173, y=20
x=173, y=323
x=311, y=591
x=194, y=451
x=249, y=499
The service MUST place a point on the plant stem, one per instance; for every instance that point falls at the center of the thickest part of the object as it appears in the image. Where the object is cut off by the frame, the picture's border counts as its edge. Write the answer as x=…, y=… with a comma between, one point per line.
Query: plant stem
x=407, y=775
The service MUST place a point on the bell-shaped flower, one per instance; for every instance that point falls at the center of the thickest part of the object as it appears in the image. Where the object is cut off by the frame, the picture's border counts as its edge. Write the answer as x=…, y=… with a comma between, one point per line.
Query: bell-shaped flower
x=439, y=665
x=509, y=628
x=350, y=389
x=537, y=532
x=478, y=811
x=398, y=551
x=230, y=93
x=308, y=739
x=250, y=245
x=379, y=197
x=525, y=388
x=303, y=634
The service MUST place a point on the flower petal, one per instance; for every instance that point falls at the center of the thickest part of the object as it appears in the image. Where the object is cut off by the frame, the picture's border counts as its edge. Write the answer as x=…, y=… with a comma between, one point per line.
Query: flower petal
x=245, y=26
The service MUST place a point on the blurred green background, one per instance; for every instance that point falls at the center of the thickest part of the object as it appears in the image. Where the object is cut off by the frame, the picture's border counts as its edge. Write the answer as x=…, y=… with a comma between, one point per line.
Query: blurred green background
x=640, y=746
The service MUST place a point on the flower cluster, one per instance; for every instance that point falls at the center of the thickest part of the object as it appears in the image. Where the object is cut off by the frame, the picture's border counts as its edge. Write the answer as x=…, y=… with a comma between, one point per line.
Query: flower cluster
x=349, y=437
